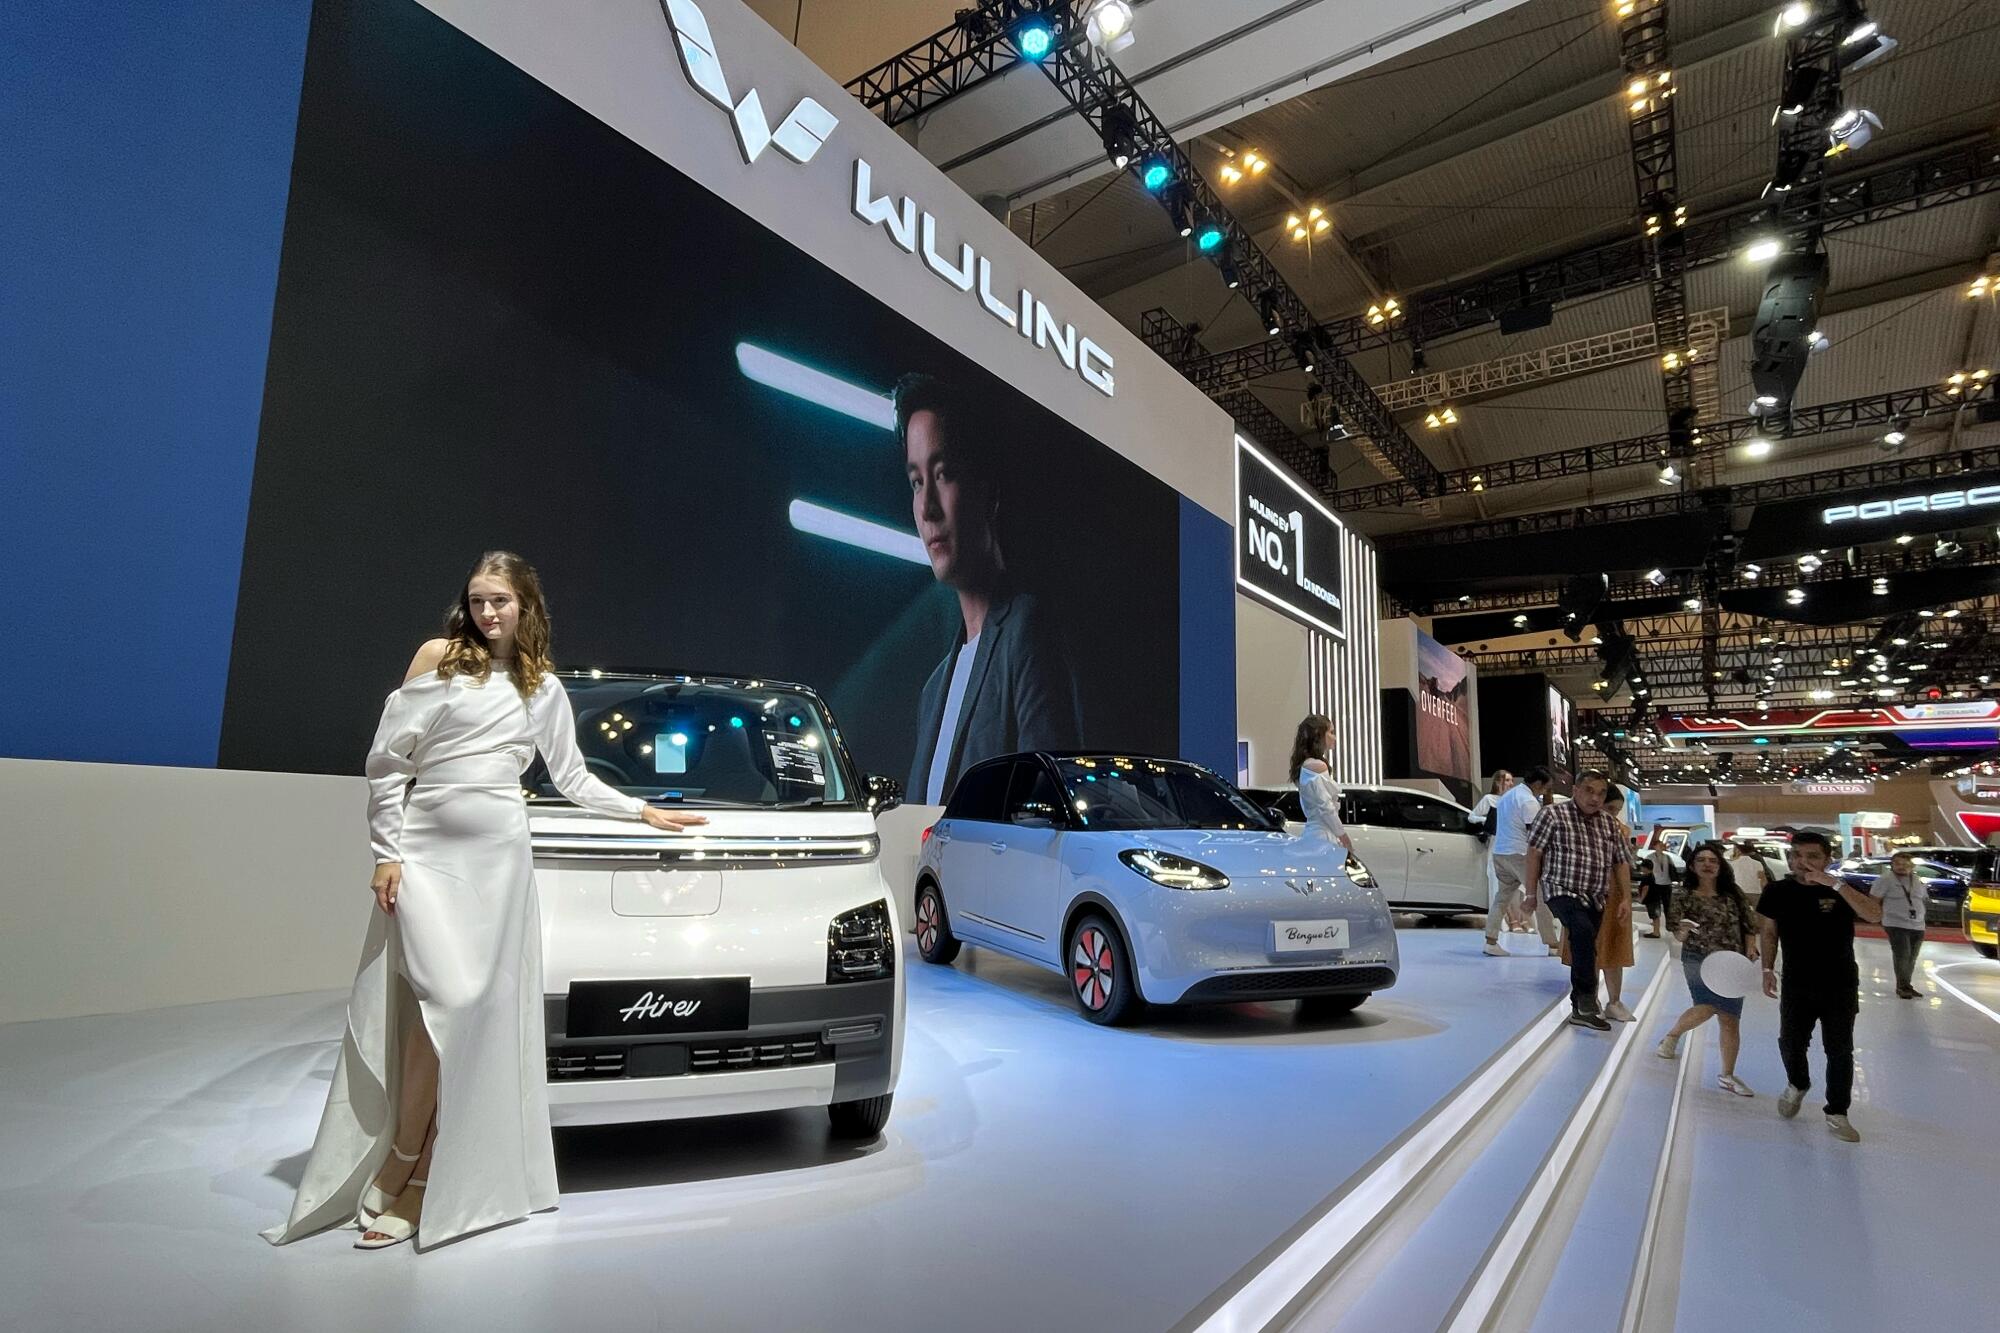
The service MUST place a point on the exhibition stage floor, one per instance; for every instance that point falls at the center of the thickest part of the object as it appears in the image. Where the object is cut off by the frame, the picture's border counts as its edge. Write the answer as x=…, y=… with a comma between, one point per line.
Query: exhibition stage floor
x=1038, y=1172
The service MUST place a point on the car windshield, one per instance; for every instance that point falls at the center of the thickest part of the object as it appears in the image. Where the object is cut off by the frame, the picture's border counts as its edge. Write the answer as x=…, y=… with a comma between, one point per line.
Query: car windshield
x=1111, y=792
x=693, y=742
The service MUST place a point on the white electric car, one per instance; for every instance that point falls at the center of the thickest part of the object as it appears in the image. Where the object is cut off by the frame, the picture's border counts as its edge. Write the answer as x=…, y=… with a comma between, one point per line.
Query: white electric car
x=1147, y=880
x=1420, y=849
x=746, y=966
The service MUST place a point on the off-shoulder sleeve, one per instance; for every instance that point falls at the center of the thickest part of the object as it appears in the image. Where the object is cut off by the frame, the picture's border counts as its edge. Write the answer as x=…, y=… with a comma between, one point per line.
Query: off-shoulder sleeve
x=1320, y=795
x=408, y=713
x=555, y=737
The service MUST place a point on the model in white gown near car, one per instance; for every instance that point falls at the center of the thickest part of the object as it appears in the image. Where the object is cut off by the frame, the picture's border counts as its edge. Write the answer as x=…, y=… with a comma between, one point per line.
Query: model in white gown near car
x=460, y=935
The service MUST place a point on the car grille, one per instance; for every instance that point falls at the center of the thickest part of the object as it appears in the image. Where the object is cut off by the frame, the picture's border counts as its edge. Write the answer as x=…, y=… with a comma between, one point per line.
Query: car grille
x=656, y=1059
x=1302, y=981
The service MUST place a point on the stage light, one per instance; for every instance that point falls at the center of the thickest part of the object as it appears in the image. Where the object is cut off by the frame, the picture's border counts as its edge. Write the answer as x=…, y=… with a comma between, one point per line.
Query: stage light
x=1765, y=400
x=1757, y=449
x=1034, y=38
x=1267, y=306
x=1120, y=135
x=1209, y=235
x=1763, y=249
x=1960, y=381
x=1692, y=604
x=1791, y=17
x=1109, y=26
x=1478, y=483
x=1983, y=285
x=1439, y=418
x=1656, y=577
x=1751, y=573
x=1232, y=277
x=1796, y=596
x=1851, y=129
x=1302, y=353
x=1314, y=223
x=1863, y=43
x=1669, y=474
x=1881, y=589
x=1905, y=539
x=1157, y=173
x=1817, y=341
x=1383, y=311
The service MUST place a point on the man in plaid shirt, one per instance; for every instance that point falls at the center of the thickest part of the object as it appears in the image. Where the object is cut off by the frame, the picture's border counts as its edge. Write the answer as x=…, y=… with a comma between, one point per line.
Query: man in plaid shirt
x=1576, y=854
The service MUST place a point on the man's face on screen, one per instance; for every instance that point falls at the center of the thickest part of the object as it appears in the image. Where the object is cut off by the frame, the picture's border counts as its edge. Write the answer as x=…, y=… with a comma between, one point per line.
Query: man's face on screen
x=950, y=511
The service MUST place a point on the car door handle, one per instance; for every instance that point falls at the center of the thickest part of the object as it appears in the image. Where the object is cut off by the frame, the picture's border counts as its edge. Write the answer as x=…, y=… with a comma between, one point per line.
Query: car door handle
x=997, y=846
x=1423, y=851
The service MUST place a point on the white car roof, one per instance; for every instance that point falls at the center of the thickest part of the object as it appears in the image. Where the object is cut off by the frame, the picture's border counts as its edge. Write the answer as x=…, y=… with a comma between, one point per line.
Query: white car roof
x=1376, y=786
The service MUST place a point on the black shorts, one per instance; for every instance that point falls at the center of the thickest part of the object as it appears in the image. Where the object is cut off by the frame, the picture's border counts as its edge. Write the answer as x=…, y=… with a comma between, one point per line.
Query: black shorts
x=1657, y=896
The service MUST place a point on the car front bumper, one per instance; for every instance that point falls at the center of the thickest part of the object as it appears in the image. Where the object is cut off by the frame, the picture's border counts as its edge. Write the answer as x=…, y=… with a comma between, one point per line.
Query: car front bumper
x=803, y=1046
x=1212, y=948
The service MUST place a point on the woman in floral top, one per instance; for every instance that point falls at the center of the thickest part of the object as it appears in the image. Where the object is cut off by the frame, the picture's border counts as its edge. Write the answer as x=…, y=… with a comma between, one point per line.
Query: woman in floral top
x=1708, y=914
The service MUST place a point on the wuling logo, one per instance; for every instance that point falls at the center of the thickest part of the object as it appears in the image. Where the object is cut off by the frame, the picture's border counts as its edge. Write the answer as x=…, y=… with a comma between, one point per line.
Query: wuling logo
x=802, y=132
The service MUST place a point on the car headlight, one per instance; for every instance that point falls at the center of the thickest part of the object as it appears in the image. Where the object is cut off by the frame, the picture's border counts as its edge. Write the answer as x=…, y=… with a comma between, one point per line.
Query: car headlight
x=1359, y=874
x=859, y=946
x=1173, y=872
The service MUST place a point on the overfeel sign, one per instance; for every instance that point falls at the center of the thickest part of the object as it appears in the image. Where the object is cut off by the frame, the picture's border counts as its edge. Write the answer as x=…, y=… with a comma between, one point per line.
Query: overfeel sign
x=1288, y=544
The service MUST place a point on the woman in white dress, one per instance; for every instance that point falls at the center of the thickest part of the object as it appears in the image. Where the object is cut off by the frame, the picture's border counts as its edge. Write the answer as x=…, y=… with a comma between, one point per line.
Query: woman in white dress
x=1319, y=794
x=439, y=1104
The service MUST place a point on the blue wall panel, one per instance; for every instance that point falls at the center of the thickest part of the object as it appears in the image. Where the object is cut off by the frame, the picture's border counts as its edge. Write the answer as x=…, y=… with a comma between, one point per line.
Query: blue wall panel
x=1208, y=640
x=146, y=150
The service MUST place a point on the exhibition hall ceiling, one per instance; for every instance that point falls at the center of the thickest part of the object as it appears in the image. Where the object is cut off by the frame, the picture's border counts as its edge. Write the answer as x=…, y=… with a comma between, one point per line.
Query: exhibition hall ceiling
x=1508, y=142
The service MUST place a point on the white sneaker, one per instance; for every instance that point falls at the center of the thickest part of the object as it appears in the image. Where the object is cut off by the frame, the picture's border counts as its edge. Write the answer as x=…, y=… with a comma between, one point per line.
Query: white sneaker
x=1493, y=950
x=1555, y=951
x=1731, y=1083
x=1838, y=1126
x=1669, y=1047
x=1618, y=1013
x=1789, y=1101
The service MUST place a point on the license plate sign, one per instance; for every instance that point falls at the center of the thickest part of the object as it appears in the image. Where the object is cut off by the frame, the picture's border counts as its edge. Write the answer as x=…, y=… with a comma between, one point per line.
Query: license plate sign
x=648, y=1008
x=1308, y=936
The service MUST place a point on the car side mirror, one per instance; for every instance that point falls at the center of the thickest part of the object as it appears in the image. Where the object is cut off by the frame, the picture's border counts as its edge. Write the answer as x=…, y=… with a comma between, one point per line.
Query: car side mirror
x=1277, y=812
x=884, y=793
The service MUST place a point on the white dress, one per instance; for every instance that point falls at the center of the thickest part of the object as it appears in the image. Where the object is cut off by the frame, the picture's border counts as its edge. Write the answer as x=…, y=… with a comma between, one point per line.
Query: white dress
x=444, y=779
x=1319, y=797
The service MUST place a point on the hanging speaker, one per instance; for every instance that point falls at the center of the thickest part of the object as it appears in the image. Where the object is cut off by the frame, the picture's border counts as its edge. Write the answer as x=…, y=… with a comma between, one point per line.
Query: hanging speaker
x=1781, y=338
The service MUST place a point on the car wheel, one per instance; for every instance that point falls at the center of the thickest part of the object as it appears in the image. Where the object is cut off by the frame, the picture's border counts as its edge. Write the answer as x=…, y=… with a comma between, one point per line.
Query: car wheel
x=1314, y=1008
x=1100, y=972
x=860, y=1120
x=935, y=942
x=1988, y=950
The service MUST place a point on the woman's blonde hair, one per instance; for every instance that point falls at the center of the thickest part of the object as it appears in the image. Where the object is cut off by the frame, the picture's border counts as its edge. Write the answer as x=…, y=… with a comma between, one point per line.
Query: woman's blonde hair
x=466, y=652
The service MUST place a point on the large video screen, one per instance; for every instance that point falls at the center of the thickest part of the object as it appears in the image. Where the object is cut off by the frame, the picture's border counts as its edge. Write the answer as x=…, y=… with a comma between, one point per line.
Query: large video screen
x=501, y=324
x=1562, y=755
x=1444, y=723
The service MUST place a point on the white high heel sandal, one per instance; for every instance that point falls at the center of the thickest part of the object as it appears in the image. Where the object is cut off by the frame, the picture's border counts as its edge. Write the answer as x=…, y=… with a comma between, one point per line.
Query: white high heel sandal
x=393, y=1230
x=373, y=1199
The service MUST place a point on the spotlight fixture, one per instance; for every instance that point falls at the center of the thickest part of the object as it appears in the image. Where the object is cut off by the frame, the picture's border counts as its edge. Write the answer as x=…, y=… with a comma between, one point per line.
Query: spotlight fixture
x=1758, y=448
x=1384, y=311
x=1314, y=223
x=1267, y=306
x=1521, y=621
x=1947, y=549
x=1817, y=341
x=1156, y=174
x=1764, y=400
x=1109, y=26
x=1904, y=539
x=1302, y=352
x=1751, y=573
x=1863, y=43
x=1656, y=577
x=1796, y=596
x=1961, y=381
x=1692, y=604
x=1881, y=587
x=1983, y=285
x=1119, y=132
x=1478, y=483
x=1232, y=276
x=1792, y=16
x=1209, y=234
x=1441, y=417
x=1851, y=130
x=1809, y=564
x=1894, y=437
x=1669, y=474
x=1034, y=38
x=1763, y=249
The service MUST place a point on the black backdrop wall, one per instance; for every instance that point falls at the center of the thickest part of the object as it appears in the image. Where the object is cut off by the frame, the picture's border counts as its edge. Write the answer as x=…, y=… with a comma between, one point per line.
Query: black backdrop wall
x=501, y=324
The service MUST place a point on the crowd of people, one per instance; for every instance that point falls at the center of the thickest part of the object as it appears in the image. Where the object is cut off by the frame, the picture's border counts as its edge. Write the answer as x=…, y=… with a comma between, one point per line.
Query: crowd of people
x=1570, y=867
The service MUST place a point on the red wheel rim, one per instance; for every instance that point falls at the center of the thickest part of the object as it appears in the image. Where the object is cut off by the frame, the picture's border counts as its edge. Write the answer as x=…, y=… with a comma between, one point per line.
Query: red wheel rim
x=1092, y=968
x=927, y=922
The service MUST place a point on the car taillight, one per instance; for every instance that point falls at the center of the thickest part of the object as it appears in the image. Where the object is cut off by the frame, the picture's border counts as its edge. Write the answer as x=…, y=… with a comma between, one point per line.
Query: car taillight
x=925, y=836
x=859, y=946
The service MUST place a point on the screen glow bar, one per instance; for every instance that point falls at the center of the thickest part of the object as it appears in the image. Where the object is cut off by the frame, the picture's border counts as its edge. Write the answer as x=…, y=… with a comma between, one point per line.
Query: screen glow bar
x=851, y=531
x=816, y=386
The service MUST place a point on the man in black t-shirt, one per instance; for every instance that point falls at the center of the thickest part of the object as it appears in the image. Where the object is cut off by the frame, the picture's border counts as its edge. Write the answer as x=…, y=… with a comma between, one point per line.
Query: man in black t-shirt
x=1810, y=915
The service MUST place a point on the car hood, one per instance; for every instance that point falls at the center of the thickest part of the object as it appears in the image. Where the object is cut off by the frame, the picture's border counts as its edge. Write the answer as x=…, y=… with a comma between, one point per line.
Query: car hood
x=1240, y=852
